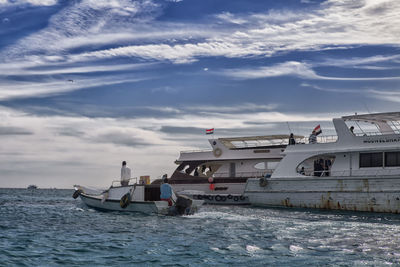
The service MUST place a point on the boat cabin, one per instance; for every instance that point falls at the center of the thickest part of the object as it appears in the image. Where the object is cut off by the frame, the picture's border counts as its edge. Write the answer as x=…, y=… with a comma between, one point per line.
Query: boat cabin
x=231, y=160
x=365, y=145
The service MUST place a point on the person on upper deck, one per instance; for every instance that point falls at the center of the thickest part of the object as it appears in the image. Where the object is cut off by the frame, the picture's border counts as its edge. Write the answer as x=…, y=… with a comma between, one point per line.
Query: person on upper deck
x=292, y=141
x=166, y=190
x=313, y=138
x=352, y=129
x=125, y=174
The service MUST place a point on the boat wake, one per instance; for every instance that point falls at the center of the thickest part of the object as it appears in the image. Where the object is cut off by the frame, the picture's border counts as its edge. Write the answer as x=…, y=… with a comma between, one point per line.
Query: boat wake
x=219, y=216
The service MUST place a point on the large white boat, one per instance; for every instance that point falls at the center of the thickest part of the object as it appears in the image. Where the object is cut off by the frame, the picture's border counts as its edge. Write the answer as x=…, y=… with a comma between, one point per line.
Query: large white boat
x=136, y=198
x=357, y=171
x=219, y=175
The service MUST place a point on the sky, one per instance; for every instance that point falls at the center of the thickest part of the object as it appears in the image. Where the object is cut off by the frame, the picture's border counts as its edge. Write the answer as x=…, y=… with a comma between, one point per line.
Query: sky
x=87, y=84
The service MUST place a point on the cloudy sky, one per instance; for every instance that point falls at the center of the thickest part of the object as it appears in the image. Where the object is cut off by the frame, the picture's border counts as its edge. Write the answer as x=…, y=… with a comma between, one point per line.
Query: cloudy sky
x=87, y=84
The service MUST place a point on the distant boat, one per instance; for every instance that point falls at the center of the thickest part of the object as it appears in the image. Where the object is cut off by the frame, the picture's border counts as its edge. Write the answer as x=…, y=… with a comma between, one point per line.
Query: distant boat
x=32, y=186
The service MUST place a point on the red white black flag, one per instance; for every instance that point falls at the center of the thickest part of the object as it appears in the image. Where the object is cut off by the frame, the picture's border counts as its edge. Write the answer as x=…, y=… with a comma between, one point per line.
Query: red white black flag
x=210, y=131
x=317, y=130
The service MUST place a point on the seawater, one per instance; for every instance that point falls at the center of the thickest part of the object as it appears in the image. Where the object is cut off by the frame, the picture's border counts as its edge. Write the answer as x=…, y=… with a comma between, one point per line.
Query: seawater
x=50, y=228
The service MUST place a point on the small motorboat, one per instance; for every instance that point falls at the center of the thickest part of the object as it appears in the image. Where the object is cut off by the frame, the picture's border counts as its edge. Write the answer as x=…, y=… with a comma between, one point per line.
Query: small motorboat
x=136, y=197
x=32, y=186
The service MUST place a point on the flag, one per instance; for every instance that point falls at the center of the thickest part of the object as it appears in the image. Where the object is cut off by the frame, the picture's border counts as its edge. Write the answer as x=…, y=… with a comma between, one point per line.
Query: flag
x=317, y=130
x=210, y=131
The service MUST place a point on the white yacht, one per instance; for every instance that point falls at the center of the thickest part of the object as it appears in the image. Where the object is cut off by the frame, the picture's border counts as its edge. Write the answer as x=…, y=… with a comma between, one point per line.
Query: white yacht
x=219, y=175
x=355, y=170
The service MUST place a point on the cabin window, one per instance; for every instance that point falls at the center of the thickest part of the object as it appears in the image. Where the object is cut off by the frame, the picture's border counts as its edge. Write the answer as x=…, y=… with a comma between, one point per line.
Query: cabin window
x=260, y=166
x=392, y=159
x=368, y=160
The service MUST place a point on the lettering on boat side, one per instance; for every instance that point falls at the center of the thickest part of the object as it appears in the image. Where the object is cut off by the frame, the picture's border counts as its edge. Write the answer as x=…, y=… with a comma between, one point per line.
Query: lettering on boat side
x=389, y=140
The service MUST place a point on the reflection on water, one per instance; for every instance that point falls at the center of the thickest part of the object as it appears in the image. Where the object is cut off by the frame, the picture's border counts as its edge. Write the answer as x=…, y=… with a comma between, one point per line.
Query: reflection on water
x=48, y=227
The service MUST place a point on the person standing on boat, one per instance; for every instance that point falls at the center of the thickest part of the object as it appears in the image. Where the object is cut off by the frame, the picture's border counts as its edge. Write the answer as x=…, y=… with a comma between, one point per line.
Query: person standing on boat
x=125, y=174
x=352, y=130
x=292, y=141
x=166, y=190
x=313, y=138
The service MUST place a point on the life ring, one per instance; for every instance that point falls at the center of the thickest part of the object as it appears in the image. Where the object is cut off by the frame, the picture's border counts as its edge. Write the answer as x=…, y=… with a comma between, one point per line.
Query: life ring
x=223, y=198
x=125, y=200
x=217, y=152
x=236, y=198
x=77, y=193
x=218, y=198
x=263, y=182
x=210, y=180
x=242, y=198
x=229, y=196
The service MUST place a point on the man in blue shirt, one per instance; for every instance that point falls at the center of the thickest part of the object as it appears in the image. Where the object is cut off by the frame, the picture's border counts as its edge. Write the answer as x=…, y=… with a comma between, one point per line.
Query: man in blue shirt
x=166, y=191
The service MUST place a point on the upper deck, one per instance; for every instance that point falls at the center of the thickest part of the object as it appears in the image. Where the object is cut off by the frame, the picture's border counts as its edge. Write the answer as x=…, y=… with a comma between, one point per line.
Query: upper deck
x=363, y=126
x=249, y=147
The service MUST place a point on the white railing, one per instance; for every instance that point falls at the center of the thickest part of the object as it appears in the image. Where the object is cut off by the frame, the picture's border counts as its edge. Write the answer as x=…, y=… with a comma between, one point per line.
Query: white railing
x=376, y=133
x=243, y=174
x=131, y=181
x=320, y=139
x=251, y=143
x=195, y=151
x=355, y=173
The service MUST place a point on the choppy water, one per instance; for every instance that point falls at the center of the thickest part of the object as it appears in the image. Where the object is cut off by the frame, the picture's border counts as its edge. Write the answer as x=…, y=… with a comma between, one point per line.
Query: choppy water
x=49, y=228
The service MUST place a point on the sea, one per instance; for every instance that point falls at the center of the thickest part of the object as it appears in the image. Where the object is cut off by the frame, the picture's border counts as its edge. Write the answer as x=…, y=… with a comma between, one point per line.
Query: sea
x=47, y=227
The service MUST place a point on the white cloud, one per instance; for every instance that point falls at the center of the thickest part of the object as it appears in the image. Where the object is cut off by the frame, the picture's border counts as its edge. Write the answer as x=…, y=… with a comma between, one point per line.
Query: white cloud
x=334, y=24
x=244, y=107
x=30, y=2
x=229, y=17
x=131, y=31
x=386, y=95
x=299, y=69
x=287, y=68
x=53, y=86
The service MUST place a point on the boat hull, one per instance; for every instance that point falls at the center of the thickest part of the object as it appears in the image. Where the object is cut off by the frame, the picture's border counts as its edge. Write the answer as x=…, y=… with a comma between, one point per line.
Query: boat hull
x=232, y=193
x=372, y=194
x=114, y=205
x=148, y=207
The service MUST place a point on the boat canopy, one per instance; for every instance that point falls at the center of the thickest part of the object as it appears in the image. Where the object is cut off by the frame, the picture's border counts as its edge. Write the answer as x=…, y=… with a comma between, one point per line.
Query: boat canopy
x=388, y=123
x=376, y=117
x=237, y=142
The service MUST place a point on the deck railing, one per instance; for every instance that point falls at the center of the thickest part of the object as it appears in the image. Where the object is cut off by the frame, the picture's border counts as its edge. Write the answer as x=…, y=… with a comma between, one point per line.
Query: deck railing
x=243, y=174
x=320, y=139
x=354, y=173
x=131, y=181
x=195, y=151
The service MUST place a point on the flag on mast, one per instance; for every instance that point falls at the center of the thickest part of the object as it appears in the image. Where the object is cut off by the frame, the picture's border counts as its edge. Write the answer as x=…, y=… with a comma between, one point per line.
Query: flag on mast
x=317, y=129
x=210, y=131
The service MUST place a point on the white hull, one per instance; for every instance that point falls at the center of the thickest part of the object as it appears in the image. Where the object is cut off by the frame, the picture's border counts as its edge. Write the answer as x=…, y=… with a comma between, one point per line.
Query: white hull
x=110, y=200
x=372, y=194
x=135, y=206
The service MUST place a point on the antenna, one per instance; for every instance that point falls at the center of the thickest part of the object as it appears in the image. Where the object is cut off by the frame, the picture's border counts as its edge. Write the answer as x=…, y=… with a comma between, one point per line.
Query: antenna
x=290, y=131
x=366, y=107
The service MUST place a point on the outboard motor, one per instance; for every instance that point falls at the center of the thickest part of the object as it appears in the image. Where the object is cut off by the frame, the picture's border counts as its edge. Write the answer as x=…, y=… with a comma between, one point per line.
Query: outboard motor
x=182, y=205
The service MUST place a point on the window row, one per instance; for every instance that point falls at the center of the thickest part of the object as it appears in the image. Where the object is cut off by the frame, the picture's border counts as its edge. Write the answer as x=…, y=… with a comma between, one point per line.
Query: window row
x=392, y=159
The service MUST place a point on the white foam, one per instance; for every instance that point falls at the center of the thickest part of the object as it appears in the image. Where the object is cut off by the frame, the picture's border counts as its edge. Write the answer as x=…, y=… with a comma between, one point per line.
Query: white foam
x=220, y=216
x=295, y=248
x=250, y=248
